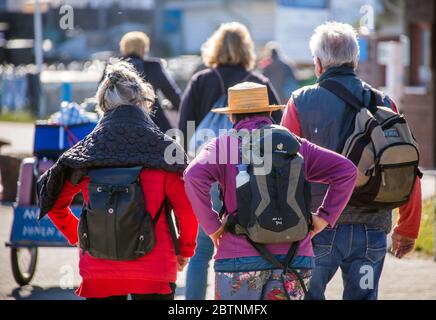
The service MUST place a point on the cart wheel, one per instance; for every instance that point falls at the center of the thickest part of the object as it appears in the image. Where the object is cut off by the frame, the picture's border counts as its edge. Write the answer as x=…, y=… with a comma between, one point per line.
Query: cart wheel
x=23, y=262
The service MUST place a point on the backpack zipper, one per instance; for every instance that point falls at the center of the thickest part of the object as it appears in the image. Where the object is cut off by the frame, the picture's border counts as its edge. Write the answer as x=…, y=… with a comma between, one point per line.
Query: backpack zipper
x=397, y=165
x=383, y=178
x=389, y=119
x=388, y=124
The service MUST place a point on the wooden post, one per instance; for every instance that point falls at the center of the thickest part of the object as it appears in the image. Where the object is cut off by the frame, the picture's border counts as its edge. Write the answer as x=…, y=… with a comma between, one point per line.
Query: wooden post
x=433, y=91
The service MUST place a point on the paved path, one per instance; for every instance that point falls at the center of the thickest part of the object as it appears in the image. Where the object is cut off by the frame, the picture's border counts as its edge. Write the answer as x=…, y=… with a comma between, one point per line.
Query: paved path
x=20, y=135
x=402, y=279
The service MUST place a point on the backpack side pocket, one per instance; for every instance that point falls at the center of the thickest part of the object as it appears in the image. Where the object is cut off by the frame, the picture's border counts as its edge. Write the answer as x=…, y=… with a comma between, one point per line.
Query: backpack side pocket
x=83, y=231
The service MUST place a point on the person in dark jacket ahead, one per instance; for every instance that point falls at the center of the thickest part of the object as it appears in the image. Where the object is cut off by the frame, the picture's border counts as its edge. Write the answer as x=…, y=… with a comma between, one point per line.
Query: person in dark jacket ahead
x=278, y=71
x=229, y=57
x=134, y=47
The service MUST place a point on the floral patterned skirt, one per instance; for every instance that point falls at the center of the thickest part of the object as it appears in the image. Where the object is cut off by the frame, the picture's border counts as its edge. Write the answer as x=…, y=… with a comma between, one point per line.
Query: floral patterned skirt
x=260, y=285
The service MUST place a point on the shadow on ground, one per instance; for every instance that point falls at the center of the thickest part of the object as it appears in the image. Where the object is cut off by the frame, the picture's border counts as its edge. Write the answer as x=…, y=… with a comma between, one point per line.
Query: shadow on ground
x=30, y=292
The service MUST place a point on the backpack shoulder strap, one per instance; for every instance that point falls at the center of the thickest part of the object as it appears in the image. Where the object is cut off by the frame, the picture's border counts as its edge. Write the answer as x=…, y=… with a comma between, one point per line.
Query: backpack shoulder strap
x=341, y=92
x=377, y=97
x=222, y=85
x=220, y=78
x=285, y=266
x=173, y=232
x=248, y=76
x=165, y=207
x=159, y=211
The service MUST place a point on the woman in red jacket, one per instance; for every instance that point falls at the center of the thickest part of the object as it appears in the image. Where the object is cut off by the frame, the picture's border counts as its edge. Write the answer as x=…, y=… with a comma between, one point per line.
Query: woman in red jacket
x=125, y=137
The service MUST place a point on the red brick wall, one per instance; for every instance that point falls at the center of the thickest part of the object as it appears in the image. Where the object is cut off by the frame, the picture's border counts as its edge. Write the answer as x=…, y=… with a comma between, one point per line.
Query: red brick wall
x=420, y=110
x=420, y=114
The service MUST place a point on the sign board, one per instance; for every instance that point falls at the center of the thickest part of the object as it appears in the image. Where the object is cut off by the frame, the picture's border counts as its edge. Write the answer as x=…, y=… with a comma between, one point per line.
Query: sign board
x=383, y=51
x=26, y=228
x=364, y=50
x=390, y=54
x=172, y=21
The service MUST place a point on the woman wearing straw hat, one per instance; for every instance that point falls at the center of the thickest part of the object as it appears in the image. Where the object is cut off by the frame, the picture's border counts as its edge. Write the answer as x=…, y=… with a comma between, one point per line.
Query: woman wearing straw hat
x=230, y=58
x=241, y=272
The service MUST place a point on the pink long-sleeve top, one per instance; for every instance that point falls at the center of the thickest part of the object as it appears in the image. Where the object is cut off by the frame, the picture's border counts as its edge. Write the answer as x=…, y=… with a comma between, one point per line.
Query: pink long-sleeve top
x=320, y=165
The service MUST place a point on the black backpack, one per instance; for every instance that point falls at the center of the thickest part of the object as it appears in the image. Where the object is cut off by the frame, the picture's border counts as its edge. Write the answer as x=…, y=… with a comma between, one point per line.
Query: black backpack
x=274, y=206
x=115, y=224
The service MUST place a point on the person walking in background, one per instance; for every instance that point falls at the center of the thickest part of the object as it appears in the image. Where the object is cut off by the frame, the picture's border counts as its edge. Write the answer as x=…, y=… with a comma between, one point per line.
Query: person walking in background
x=278, y=71
x=134, y=47
x=229, y=57
x=242, y=269
x=126, y=236
x=317, y=114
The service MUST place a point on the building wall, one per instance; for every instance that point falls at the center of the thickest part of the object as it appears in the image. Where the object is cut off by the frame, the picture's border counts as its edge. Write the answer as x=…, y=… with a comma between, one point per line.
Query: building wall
x=419, y=103
x=201, y=20
x=292, y=26
x=420, y=114
x=370, y=71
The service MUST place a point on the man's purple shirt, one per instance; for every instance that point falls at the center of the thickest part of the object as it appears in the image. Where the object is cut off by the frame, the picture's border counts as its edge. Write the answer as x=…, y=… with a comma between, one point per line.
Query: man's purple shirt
x=320, y=165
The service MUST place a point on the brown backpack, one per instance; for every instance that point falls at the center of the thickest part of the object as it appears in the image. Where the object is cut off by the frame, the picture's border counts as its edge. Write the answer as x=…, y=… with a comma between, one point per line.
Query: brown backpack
x=384, y=150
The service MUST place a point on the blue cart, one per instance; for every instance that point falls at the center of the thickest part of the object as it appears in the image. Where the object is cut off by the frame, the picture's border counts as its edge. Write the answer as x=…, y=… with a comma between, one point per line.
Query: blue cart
x=28, y=234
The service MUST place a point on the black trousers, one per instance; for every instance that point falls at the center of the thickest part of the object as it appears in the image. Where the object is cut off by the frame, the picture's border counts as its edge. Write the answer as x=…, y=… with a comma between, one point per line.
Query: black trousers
x=152, y=296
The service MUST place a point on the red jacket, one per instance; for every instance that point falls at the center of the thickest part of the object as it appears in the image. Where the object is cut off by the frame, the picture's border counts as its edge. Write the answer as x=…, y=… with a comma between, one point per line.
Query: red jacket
x=410, y=213
x=144, y=275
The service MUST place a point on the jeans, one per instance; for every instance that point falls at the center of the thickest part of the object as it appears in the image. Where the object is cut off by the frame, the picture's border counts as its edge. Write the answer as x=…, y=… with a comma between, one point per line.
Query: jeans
x=360, y=253
x=196, y=277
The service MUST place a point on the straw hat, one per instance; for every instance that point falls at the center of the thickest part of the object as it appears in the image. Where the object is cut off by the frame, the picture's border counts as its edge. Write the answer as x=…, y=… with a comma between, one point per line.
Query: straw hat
x=248, y=97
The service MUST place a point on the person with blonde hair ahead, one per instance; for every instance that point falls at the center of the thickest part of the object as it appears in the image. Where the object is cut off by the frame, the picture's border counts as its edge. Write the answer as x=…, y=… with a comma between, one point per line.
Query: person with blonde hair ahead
x=125, y=233
x=231, y=44
x=135, y=43
x=229, y=57
x=134, y=48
